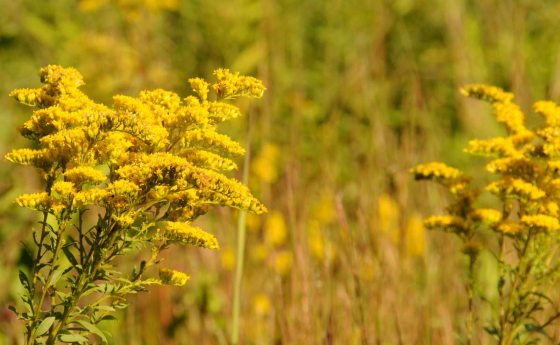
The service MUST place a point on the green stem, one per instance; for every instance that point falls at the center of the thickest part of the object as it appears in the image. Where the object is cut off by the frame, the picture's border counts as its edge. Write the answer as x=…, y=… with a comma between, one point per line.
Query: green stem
x=470, y=291
x=240, y=245
x=87, y=275
x=46, y=286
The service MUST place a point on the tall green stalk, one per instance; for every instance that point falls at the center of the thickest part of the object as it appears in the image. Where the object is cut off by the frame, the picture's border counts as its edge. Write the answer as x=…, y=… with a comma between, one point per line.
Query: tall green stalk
x=241, y=234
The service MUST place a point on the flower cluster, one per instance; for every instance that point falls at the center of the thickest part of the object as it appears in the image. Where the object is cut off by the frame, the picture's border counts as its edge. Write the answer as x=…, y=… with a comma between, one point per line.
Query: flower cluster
x=150, y=164
x=524, y=162
x=525, y=181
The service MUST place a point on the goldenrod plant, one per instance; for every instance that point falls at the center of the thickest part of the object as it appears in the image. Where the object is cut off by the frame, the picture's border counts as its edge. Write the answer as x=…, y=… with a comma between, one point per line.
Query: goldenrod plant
x=118, y=181
x=522, y=227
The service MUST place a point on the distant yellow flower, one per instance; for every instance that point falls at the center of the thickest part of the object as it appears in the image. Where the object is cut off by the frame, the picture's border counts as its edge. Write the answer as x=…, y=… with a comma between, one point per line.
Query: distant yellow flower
x=276, y=232
x=388, y=213
x=283, y=262
x=324, y=210
x=415, y=235
x=259, y=252
x=228, y=258
x=265, y=164
x=261, y=304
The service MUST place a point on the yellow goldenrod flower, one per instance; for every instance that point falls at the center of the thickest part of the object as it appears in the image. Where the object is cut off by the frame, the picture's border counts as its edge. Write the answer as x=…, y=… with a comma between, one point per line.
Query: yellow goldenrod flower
x=209, y=160
x=487, y=216
x=230, y=85
x=172, y=277
x=149, y=160
x=200, y=87
x=508, y=227
x=541, y=221
x=487, y=93
x=91, y=196
x=436, y=170
x=554, y=166
x=63, y=191
x=550, y=208
x=38, y=201
x=512, y=166
x=515, y=187
x=512, y=117
x=220, y=111
x=447, y=223
x=83, y=174
x=37, y=158
x=495, y=147
x=549, y=111
x=184, y=233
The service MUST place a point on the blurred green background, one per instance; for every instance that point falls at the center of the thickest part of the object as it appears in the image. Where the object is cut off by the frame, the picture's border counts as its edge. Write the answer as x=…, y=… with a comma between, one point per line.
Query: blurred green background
x=358, y=92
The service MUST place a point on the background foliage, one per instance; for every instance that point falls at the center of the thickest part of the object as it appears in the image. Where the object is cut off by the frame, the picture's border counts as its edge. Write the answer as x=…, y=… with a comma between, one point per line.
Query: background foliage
x=358, y=92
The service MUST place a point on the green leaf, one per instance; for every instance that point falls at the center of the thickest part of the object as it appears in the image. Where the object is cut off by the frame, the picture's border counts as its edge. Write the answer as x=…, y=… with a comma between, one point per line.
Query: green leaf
x=70, y=256
x=44, y=325
x=93, y=329
x=105, y=308
x=24, y=281
x=108, y=318
x=56, y=276
x=73, y=338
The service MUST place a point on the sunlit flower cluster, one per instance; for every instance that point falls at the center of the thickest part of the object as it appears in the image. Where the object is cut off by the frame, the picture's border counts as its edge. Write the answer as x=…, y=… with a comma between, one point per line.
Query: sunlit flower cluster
x=155, y=158
x=523, y=163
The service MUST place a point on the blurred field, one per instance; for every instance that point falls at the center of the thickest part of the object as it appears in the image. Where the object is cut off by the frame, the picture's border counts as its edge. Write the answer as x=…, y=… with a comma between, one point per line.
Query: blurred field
x=358, y=92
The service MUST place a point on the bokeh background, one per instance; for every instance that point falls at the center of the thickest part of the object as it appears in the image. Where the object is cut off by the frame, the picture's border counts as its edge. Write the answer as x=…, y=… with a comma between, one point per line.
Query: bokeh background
x=358, y=92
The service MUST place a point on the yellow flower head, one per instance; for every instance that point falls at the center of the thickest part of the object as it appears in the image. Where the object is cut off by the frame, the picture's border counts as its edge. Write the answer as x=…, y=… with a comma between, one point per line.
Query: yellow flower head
x=515, y=187
x=487, y=93
x=549, y=111
x=83, y=174
x=541, y=222
x=172, y=277
x=38, y=201
x=183, y=233
x=508, y=227
x=437, y=171
x=487, y=216
x=447, y=223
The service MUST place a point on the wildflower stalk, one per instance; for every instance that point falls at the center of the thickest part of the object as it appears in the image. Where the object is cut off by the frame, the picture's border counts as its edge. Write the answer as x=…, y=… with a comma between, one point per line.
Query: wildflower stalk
x=147, y=167
x=470, y=293
x=241, y=234
x=525, y=165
